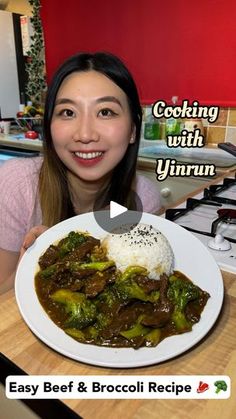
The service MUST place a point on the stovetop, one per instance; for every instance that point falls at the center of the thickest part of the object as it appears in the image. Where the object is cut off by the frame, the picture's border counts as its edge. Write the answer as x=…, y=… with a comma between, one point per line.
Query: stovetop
x=211, y=217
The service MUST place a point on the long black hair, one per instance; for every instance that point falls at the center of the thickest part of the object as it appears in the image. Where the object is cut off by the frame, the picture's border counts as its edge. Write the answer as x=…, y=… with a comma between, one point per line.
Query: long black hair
x=123, y=174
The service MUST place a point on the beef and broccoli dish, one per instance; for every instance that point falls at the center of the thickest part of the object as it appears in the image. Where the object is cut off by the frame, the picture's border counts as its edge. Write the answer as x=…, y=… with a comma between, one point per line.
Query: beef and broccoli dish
x=85, y=294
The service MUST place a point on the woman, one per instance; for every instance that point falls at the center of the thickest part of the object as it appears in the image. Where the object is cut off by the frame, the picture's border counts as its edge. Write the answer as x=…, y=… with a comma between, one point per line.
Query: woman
x=92, y=128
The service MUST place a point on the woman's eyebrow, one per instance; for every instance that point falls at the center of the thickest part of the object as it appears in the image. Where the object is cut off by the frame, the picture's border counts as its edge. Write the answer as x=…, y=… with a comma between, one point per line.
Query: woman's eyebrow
x=64, y=100
x=61, y=101
x=109, y=99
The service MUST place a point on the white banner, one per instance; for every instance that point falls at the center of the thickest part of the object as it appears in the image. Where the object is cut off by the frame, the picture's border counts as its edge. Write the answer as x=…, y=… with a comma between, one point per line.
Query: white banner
x=118, y=387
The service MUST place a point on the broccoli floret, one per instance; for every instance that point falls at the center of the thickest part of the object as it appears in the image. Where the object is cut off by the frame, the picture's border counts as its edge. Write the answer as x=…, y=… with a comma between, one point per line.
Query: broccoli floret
x=220, y=385
x=82, y=311
x=69, y=243
x=102, y=321
x=180, y=293
x=136, y=330
x=108, y=297
x=127, y=288
x=88, y=334
x=153, y=337
x=106, y=304
x=49, y=271
x=132, y=271
x=75, y=333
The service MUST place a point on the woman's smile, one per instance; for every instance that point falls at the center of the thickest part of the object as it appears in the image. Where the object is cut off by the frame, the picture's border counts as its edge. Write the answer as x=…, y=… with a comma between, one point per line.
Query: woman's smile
x=88, y=159
x=89, y=154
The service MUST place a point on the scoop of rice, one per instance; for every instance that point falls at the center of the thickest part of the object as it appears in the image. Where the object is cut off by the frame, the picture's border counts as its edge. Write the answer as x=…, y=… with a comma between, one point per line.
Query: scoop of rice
x=143, y=246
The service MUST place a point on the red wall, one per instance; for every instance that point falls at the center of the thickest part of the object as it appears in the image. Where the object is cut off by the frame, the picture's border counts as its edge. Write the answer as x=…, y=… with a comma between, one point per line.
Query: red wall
x=179, y=47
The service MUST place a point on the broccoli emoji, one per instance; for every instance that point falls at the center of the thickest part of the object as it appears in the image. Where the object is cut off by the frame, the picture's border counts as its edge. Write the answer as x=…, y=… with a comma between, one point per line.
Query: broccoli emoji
x=220, y=385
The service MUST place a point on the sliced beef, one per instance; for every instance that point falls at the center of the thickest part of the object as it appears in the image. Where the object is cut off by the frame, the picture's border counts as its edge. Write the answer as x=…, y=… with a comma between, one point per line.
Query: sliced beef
x=82, y=252
x=147, y=284
x=159, y=316
x=123, y=320
x=97, y=282
x=94, y=285
x=49, y=257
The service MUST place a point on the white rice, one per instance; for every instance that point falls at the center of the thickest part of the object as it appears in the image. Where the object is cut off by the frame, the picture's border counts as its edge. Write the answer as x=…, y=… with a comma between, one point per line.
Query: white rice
x=142, y=246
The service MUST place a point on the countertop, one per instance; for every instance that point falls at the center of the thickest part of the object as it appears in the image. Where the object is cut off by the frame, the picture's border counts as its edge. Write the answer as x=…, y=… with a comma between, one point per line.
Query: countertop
x=149, y=151
x=214, y=355
x=18, y=141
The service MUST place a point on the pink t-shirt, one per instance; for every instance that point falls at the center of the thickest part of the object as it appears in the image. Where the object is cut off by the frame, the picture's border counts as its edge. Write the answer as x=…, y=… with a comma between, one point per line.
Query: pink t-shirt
x=19, y=200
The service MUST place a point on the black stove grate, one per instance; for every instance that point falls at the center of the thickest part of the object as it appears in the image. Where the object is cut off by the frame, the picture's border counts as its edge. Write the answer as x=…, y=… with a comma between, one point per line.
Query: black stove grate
x=208, y=194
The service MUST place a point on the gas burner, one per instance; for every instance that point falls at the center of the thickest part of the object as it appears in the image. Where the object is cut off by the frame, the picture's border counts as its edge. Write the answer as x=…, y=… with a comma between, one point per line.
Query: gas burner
x=211, y=217
x=210, y=199
x=226, y=215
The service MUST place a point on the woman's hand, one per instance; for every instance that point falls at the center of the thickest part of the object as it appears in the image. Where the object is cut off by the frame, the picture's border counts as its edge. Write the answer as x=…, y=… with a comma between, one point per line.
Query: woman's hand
x=31, y=236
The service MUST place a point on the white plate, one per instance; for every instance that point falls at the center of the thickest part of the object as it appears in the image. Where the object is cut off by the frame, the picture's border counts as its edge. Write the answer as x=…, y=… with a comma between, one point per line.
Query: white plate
x=191, y=257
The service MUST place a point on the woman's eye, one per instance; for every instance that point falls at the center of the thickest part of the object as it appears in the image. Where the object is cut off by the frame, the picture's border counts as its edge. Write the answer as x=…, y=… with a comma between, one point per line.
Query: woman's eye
x=67, y=113
x=107, y=112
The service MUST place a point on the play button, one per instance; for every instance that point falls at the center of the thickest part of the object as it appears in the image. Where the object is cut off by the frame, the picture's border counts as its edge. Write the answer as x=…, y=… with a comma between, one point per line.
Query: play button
x=116, y=209
x=118, y=218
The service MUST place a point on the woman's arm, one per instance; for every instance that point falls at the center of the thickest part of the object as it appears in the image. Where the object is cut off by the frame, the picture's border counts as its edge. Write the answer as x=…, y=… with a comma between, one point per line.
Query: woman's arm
x=9, y=260
x=8, y=264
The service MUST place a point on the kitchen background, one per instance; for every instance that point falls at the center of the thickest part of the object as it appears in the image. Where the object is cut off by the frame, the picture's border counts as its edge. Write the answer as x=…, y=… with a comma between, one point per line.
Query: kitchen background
x=182, y=48
x=171, y=50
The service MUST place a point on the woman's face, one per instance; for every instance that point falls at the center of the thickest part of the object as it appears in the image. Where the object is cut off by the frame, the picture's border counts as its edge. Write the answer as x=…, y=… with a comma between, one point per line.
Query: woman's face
x=91, y=125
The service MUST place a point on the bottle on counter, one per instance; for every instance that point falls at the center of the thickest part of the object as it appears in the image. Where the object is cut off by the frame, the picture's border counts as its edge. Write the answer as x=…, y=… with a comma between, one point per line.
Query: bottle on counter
x=21, y=111
x=151, y=128
x=173, y=126
x=5, y=125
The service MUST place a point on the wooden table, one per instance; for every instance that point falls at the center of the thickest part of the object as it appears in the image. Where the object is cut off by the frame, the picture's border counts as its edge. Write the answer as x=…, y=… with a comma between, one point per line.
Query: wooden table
x=215, y=354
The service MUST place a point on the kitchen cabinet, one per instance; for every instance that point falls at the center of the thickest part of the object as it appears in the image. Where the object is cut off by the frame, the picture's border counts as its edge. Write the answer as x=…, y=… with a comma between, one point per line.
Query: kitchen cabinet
x=177, y=48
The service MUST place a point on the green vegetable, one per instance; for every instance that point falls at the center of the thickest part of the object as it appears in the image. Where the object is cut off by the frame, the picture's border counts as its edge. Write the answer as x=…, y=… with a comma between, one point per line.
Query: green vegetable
x=97, y=266
x=75, y=266
x=49, y=271
x=82, y=311
x=220, y=385
x=102, y=321
x=135, y=331
x=69, y=243
x=153, y=337
x=75, y=333
x=108, y=297
x=180, y=293
x=129, y=289
x=90, y=333
x=131, y=271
